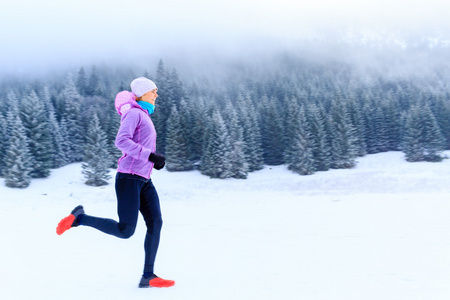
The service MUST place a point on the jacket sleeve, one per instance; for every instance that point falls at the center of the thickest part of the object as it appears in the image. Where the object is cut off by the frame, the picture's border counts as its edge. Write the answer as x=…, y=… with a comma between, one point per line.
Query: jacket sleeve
x=129, y=127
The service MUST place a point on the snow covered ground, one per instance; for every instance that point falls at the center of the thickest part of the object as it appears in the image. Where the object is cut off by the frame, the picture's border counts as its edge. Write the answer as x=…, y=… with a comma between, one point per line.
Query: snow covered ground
x=380, y=231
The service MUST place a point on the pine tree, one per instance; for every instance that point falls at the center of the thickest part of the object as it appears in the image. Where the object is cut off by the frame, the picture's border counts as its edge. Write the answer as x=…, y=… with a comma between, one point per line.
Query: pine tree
x=423, y=140
x=161, y=72
x=442, y=115
x=96, y=157
x=321, y=150
x=252, y=135
x=175, y=87
x=3, y=144
x=113, y=128
x=370, y=126
x=391, y=111
x=163, y=106
x=216, y=159
x=358, y=123
x=17, y=156
x=58, y=156
x=292, y=124
x=239, y=165
x=343, y=146
x=65, y=144
x=82, y=82
x=92, y=87
x=434, y=141
x=110, y=122
x=412, y=145
x=194, y=115
x=198, y=111
x=37, y=129
x=271, y=132
x=71, y=113
x=381, y=130
x=12, y=112
x=170, y=93
x=298, y=153
x=176, y=149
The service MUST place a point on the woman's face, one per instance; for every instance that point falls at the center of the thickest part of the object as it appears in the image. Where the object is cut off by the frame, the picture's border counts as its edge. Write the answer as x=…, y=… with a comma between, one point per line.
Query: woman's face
x=150, y=97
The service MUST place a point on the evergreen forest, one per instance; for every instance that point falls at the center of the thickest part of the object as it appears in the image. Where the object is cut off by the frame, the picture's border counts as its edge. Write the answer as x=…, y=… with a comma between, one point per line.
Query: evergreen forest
x=310, y=115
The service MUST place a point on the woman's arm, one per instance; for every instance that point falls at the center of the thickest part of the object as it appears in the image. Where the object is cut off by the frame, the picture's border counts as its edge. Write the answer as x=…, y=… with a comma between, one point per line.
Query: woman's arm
x=124, y=139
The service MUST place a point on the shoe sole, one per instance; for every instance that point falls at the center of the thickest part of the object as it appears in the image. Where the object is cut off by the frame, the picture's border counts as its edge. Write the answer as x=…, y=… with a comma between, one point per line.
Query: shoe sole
x=158, y=283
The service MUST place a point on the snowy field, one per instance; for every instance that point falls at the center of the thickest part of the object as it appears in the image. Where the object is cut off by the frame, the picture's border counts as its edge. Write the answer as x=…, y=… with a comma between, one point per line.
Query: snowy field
x=380, y=231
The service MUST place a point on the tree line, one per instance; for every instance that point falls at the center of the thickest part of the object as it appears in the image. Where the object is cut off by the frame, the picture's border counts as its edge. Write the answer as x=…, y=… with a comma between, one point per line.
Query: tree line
x=309, y=116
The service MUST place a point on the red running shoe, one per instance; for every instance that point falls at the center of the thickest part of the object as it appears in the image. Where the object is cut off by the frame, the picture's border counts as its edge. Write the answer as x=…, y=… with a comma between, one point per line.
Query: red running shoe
x=155, y=281
x=69, y=221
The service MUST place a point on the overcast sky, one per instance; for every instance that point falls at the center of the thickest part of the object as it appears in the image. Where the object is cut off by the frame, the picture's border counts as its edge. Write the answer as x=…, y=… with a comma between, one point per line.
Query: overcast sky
x=37, y=34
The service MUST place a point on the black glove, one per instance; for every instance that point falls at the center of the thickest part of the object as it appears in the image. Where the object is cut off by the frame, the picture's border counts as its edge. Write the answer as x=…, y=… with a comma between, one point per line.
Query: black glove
x=158, y=160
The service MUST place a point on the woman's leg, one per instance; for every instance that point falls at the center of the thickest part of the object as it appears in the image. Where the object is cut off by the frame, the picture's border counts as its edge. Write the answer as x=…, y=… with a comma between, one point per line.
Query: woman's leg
x=128, y=193
x=151, y=212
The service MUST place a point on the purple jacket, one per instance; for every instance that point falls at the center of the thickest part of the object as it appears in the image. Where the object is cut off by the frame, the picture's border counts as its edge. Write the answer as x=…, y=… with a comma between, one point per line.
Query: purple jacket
x=136, y=137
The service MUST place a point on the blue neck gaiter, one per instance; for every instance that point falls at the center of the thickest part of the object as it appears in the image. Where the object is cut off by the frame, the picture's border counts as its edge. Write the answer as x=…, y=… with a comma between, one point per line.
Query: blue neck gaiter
x=150, y=108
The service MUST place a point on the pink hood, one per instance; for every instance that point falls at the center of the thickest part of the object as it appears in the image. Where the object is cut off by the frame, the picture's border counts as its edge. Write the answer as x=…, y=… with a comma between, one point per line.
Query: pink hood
x=124, y=101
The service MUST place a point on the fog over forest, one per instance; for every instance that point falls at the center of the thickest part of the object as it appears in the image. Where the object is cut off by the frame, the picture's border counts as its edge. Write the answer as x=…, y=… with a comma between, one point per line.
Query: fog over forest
x=48, y=36
x=241, y=85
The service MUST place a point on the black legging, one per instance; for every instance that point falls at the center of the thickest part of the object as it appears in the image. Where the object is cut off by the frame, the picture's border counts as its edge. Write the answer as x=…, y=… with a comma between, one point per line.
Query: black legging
x=134, y=194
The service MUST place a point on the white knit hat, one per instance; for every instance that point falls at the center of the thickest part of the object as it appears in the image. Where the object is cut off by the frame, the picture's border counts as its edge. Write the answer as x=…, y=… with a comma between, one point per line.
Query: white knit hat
x=142, y=85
